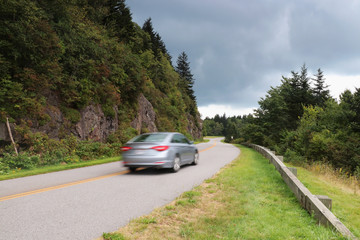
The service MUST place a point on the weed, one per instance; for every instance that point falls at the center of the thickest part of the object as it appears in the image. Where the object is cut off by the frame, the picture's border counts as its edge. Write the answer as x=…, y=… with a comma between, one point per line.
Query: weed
x=113, y=236
x=181, y=202
x=146, y=220
x=169, y=207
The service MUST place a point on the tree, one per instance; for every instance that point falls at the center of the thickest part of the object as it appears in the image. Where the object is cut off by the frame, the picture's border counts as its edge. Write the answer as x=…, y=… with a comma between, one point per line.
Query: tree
x=296, y=93
x=272, y=114
x=212, y=128
x=119, y=20
x=321, y=93
x=187, y=78
x=157, y=44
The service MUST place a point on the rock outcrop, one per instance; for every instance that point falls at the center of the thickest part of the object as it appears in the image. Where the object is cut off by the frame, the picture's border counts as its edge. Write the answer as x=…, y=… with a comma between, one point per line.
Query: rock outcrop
x=94, y=124
x=146, y=116
x=194, y=129
x=4, y=135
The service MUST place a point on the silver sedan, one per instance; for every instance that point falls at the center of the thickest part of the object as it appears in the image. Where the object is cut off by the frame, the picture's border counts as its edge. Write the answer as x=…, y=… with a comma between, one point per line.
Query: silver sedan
x=160, y=150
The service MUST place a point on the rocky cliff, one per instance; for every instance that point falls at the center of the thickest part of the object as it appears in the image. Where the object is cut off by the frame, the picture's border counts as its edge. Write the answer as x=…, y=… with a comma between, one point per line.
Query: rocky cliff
x=94, y=125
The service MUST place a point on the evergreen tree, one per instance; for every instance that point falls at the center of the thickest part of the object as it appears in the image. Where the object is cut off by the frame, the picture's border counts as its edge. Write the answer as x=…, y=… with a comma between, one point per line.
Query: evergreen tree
x=187, y=78
x=297, y=93
x=119, y=20
x=321, y=93
x=148, y=27
x=157, y=44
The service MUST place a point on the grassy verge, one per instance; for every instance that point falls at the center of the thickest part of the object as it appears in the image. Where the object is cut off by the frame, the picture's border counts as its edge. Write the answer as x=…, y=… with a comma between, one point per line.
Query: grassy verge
x=202, y=141
x=345, y=196
x=245, y=200
x=56, y=168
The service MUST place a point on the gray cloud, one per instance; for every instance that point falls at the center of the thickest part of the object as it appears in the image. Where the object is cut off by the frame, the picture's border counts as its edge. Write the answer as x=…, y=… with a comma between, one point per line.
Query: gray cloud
x=238, y=48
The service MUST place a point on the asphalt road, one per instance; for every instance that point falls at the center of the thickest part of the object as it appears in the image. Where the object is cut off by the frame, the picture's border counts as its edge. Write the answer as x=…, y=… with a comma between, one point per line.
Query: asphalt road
x=84, y=203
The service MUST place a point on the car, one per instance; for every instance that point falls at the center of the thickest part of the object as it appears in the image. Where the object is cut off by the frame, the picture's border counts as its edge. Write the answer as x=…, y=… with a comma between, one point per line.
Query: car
x=159, y=150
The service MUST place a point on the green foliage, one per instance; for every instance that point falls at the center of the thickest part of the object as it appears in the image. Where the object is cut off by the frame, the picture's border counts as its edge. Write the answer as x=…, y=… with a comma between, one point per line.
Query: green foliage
x=71, y=114
x=146, y=220
x=186, y=77
x=156, y=44
x=291, y=156
x=86, y=150
x=70, y=54
x=300, y=121
x=21, y=161
x=122, y=135
x=215, y=126
x=119, y=20
x=4, y=168
x=113, y=236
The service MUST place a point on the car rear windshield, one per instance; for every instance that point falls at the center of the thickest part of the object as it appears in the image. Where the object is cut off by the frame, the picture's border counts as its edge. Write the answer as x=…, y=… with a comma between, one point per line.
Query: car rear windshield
x=150, y=138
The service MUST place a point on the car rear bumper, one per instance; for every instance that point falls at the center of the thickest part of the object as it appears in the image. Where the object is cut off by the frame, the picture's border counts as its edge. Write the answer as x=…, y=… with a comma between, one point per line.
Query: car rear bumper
x=149, y=162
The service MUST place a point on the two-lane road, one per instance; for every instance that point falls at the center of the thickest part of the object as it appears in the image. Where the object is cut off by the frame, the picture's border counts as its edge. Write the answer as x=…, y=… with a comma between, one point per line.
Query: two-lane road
x=83, y=203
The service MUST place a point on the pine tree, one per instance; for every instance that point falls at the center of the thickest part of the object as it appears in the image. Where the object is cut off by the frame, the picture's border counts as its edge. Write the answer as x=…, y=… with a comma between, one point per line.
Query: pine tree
x=157, y=44
x=187, y=78
x=148, y=27
x=321, y=94
x=297, y=93
x=119, y=20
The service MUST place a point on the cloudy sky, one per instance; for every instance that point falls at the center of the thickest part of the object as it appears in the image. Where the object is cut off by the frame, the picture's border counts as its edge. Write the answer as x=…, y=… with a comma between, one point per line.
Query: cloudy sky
x=238, y=49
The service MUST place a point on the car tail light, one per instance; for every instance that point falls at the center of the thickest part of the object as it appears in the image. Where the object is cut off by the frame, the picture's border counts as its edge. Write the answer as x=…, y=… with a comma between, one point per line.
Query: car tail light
x=160, y=148
x=126, y=148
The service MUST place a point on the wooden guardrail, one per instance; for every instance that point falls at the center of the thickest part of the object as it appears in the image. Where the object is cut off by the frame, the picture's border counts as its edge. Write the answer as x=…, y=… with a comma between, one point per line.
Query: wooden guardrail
x=307, y=200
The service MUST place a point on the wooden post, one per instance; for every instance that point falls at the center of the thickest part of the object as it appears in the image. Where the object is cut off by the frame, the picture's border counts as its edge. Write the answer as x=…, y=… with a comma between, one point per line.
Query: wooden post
x=10, y=134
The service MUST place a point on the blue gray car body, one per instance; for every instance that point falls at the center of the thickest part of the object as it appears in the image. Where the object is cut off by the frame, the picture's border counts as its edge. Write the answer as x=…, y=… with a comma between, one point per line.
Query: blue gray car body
x=160, y=150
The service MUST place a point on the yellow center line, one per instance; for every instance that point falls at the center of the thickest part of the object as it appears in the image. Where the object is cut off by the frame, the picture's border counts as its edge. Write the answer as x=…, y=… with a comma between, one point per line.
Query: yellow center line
x=60, y=186
x=208, y=148
x=72, y=183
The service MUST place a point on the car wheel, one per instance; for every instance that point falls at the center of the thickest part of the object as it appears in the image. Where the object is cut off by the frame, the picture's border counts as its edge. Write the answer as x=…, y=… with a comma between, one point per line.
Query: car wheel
x=176, y=166
x=196, y=159
x=132, y=169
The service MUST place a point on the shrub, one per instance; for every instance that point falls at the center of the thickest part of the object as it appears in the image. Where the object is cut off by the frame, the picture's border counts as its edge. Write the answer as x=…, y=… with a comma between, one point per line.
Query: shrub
x=87, y=149
x=357, y=172
x=238, y=141
x=72, y=159
x=71, y=114
x=293, y=157
x=22, y=161
x=108, y=110
x=122, y=135
x=4, y=168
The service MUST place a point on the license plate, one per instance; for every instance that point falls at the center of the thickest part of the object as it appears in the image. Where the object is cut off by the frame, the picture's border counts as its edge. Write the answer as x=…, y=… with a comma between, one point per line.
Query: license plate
x=139, y=152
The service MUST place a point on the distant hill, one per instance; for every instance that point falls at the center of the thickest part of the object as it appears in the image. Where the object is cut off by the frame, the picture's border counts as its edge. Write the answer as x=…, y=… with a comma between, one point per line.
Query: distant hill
x=84, y=68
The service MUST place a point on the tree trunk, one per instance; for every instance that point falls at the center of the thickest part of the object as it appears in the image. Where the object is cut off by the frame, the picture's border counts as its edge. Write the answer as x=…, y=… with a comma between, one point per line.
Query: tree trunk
x=10, y=134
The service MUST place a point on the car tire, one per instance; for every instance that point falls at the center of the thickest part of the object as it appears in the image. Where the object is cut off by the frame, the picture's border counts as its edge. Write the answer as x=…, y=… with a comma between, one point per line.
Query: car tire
x=196, y=159
x=176, y=166
x=132, y=169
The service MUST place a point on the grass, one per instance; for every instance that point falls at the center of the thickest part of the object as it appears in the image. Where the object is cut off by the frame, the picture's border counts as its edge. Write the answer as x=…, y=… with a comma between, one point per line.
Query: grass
x=202, y=141
x=245, y=200
x=56, y=168
x=343, y=192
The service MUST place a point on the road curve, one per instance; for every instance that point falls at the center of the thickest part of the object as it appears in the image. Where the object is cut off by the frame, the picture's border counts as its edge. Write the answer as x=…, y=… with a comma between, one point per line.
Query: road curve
x=83, y=203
